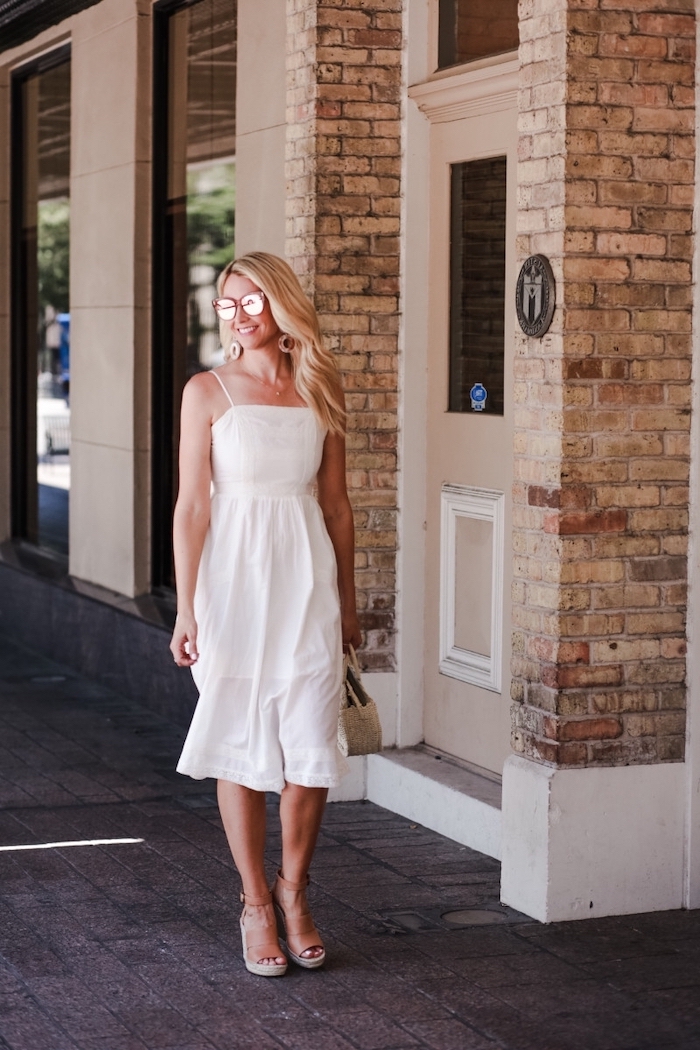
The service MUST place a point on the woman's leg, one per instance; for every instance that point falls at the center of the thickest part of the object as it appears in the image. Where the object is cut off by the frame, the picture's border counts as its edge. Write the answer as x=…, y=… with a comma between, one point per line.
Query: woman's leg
x=243, y=815
x=301, y=813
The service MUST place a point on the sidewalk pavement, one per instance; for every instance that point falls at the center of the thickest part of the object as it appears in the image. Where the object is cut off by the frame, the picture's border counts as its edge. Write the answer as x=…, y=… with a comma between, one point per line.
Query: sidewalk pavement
x=126, y=946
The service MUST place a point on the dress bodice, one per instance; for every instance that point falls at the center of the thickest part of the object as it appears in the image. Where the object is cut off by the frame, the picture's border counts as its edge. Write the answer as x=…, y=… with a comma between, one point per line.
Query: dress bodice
x=265, y=450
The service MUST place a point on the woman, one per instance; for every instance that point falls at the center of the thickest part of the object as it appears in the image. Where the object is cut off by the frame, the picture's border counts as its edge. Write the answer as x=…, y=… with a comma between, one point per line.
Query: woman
x=265, y=586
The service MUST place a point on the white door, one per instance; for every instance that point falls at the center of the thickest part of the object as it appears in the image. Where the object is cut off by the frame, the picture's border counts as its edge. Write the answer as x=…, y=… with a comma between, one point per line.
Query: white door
x=470, y=448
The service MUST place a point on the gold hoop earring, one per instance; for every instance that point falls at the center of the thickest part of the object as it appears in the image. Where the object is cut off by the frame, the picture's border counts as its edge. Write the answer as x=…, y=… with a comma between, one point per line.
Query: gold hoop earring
x=236, y=349
x=286, y=343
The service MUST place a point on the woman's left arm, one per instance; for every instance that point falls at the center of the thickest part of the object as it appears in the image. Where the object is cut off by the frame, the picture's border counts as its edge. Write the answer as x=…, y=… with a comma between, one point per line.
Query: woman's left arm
x=337, y=514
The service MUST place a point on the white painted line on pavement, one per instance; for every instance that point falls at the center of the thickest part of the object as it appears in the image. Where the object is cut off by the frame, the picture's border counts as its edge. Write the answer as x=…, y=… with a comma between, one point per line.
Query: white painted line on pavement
x=60, y=845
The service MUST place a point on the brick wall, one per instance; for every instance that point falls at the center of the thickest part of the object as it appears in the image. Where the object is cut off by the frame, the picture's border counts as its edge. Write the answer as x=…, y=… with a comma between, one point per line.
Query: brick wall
x=603, y=401
x=343, y=170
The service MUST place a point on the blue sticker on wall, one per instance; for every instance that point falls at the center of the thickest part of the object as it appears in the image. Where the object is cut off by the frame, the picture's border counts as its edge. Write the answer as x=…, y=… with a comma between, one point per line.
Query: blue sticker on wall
x=478, y=397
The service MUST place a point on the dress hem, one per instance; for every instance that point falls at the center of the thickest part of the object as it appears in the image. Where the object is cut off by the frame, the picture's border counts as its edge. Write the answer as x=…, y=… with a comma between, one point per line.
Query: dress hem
x=258, y=784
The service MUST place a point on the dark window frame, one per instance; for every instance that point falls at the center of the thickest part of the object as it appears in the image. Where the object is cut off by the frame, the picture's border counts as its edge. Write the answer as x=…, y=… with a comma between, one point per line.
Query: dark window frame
x=162, y=358
x=22, y=388
x=161, y=318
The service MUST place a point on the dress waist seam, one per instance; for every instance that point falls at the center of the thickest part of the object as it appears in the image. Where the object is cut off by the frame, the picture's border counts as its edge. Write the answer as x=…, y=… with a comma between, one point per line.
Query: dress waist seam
x=258, y=492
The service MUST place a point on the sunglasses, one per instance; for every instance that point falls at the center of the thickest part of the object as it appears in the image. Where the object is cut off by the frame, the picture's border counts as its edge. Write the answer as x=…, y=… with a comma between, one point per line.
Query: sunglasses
x=253, y=304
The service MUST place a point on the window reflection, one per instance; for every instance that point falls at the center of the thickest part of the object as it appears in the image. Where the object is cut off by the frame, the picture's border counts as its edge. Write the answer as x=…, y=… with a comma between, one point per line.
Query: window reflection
x=471, y=29
x=43, y=335
x=210, y=230
x=201, y=171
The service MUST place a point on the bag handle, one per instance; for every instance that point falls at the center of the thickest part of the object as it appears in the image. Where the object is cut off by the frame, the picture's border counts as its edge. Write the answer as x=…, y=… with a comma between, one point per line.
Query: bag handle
x=350, y=660
x=354, y=689
x=352, y=697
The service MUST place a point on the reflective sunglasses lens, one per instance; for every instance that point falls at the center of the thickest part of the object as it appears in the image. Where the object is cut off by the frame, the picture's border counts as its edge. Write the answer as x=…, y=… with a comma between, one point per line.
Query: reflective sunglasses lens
x=225, y=309
x=253, y=304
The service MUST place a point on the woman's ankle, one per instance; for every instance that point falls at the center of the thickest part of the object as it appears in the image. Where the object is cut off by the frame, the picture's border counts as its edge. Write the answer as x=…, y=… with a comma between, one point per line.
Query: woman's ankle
x=291, y=879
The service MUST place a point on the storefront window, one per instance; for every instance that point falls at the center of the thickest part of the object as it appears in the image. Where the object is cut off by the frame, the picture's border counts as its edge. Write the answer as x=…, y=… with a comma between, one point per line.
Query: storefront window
x=471, y=29
x=41, y=307
x=195, y=162
x=477, y=285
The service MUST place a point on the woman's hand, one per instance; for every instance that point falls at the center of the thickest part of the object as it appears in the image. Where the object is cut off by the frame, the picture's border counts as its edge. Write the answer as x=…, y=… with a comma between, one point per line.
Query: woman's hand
x=183, y=644
x=351, y=631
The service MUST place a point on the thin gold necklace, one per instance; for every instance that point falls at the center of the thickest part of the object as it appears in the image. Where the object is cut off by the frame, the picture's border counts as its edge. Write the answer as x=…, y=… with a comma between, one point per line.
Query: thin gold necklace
x=262, y=382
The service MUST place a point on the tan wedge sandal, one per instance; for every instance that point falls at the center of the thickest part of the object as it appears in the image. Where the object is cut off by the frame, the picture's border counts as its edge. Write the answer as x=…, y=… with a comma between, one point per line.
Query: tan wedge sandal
x=298, y=931
x=261, y=943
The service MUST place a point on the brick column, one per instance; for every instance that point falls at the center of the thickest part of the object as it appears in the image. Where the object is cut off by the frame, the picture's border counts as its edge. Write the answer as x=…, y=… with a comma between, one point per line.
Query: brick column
x=602, y=415
x=343, y=183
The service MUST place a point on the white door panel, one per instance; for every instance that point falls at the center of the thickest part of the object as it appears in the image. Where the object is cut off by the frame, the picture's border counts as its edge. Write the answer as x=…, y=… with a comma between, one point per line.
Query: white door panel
x=467, y=451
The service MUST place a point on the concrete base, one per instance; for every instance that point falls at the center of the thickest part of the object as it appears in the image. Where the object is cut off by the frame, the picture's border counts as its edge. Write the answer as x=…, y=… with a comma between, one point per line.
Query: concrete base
x=352, y=787
x=580, y=843
x=440, y=795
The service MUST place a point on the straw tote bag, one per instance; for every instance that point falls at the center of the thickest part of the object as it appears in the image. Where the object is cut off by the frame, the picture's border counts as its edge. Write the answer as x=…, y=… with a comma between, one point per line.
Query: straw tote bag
x=359, y=728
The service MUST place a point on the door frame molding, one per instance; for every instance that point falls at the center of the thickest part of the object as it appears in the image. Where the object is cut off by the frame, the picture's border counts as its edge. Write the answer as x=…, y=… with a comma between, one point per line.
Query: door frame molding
x=483, y=88
x=471, y=93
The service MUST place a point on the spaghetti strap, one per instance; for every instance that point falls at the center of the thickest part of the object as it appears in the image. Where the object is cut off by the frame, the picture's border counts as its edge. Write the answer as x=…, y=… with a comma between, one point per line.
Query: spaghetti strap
x=223, y=387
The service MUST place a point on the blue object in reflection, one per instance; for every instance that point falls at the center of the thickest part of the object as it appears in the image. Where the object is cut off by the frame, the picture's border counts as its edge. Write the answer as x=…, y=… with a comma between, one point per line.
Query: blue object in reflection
x=64, y=350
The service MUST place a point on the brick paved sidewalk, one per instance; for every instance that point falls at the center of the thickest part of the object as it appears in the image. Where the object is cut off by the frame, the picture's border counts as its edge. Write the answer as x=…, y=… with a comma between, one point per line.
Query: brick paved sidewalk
x=136, y=945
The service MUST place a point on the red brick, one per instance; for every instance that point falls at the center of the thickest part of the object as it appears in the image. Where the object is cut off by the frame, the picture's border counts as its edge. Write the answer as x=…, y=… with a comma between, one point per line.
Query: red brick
x=586, y=523
x=591, y=729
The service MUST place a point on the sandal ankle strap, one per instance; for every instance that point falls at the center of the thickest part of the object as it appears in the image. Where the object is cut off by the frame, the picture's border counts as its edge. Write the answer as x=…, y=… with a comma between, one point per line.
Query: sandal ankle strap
x=292, y=885
x=246, y=898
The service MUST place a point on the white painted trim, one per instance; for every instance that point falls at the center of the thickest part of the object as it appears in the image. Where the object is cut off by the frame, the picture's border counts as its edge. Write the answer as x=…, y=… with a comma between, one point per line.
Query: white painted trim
x=582, y=843
x=484, y=505
x=413, y=366
x=471, y=93
x=420, y=39
x=403, y=784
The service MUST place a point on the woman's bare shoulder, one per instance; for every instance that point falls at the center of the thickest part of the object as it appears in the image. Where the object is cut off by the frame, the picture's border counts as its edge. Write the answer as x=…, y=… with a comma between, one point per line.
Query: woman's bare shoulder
x=200, y=384
x=201, y=388
x=199, y=396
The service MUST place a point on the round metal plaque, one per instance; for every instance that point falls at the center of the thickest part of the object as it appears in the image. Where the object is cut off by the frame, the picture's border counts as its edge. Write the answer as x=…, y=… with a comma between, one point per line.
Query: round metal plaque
x=535, y=296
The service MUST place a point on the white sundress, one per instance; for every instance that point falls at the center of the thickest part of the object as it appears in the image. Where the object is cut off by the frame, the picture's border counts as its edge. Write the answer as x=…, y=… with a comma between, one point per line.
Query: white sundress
x=266, y=603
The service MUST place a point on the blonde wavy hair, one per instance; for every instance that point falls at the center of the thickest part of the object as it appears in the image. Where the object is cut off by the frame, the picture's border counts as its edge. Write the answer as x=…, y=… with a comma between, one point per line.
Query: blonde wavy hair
x=315, y=372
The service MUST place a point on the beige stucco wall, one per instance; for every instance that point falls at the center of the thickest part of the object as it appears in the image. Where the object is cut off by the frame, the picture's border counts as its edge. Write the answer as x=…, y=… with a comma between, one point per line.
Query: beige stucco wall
x=260, y=127
x=110, y=242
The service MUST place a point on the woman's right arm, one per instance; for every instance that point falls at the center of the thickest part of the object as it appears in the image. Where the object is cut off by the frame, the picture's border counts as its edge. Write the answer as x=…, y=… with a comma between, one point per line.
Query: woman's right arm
x=192, y=511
